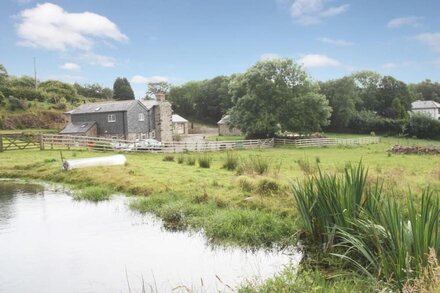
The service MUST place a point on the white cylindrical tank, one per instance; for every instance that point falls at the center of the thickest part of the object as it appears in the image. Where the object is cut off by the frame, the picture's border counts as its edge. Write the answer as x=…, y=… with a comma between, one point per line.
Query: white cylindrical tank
x=94, y=162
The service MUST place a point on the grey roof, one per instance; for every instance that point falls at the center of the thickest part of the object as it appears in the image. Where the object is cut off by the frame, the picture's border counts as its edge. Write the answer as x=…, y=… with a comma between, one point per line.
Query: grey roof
x=224, y=120
x=178, y=119
x=150, y=103
x=108, y=106
x=425, y=105
x=79, y=127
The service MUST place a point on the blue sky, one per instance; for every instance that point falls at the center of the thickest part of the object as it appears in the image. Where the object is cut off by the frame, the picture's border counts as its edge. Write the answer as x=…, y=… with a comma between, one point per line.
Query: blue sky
x=181, y=40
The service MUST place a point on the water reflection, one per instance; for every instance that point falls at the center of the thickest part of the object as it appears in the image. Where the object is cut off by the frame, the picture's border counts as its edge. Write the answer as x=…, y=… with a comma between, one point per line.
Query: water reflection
x=51, y=243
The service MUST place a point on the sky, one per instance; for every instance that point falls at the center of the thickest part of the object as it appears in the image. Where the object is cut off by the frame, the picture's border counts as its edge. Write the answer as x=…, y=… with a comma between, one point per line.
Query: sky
x=96, y=41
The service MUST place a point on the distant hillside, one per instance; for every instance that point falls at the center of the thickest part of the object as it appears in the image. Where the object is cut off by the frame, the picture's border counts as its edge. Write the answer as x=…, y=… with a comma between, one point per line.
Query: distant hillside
x=26, y=103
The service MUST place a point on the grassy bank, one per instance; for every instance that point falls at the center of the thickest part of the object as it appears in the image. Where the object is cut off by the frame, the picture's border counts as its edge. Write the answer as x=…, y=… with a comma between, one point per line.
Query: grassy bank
x=241, y=198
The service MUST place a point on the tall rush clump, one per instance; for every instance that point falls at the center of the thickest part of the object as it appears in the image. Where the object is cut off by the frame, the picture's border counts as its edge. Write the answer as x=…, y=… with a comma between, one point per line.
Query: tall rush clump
x=377, y=236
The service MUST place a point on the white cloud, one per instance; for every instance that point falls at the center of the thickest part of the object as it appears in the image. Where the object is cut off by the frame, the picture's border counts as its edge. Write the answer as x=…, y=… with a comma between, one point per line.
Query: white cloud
x=317, y=60
x=336, y=42
x=430, y=39
x=396, y=65
x=70, y=66
x=139, y=79
x=309, y=12
x=96, y=59
x=414, y=21
x=49, y=26
x=269, y=56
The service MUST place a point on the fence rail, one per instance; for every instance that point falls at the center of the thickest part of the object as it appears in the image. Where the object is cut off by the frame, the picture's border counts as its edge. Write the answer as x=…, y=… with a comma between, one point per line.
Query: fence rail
x=71, y=141
x=322, y=142
x=19, y=141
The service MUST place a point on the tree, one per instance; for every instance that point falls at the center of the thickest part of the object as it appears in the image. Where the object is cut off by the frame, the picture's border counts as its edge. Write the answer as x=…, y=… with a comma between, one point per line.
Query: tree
x=3, y=76
x=367, y=84
x=94, y=91
x=122, y=89
x=161, y=87
x=277, y=95
x=426, y=90
x=343, y=97
x=389, y=89
x=183, y=98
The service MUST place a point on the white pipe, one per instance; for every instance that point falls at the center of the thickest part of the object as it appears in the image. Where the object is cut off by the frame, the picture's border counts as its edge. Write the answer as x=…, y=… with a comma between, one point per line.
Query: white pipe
x=94, y=162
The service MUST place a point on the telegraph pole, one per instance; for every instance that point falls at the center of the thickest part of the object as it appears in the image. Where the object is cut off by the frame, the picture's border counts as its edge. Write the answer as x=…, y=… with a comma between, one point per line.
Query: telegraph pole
x=35, y=73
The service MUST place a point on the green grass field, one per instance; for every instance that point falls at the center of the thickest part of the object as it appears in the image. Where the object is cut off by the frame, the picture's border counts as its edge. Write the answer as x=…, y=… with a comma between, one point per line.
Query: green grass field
x=246, y=209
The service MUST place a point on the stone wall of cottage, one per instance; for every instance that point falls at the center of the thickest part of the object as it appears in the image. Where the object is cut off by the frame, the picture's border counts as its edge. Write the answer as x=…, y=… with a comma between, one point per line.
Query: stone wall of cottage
x=163, y=120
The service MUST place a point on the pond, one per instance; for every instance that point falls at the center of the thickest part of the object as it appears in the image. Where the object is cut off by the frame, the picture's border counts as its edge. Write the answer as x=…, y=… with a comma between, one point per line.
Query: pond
x=51, y=243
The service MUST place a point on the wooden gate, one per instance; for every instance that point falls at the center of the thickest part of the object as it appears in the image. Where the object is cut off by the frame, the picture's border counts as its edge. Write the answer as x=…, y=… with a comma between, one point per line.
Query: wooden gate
x=19, y=141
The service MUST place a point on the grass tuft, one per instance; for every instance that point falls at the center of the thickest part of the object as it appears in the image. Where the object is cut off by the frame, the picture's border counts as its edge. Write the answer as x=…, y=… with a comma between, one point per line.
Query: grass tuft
x=204, y=161
x=231, y=161
x=93, y=193
x=168, y=158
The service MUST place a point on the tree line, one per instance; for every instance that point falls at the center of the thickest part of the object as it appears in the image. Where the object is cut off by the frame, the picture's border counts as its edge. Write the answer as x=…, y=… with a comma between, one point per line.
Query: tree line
x=276, y=96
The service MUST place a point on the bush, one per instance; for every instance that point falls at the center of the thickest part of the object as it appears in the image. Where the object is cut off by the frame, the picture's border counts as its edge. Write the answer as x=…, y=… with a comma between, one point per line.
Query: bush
x=204, y=161
x=168, y=158
x=366, y=122
x=16, y=104
x=231, y=161
x=423, y=126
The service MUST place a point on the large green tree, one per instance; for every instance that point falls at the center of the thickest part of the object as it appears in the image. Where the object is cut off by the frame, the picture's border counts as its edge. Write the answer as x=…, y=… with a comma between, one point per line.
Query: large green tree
x=343, y=97
x=277, y=95
x=122, y=89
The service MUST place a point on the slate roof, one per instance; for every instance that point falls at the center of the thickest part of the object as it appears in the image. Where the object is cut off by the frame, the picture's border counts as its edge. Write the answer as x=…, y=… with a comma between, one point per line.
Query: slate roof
x=79, y=127
x=425, y=105
x=102, y=107
x=178, y=119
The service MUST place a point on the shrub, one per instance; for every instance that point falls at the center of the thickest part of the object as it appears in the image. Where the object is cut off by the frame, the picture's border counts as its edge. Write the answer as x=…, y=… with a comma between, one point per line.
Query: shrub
x=423, y=126
x=168, y=158
x=231, y=161
x=368, y=122
x=16, y=104
x=204, y=161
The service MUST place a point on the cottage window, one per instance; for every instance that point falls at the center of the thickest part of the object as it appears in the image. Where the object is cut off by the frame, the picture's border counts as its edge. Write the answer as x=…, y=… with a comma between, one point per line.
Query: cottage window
x=141, y=117
x=111, y=118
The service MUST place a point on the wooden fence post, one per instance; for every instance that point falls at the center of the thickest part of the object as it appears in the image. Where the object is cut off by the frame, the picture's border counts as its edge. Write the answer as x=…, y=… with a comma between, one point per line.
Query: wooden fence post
x=41, y=142
x=1, y=143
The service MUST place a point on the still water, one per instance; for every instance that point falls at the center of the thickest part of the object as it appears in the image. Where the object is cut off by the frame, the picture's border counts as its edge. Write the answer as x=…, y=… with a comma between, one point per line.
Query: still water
x=51, y=243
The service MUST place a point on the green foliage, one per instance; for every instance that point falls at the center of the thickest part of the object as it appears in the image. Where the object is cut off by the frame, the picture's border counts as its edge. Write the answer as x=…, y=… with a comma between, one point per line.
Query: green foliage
x=204, y=160
x=122, y=89
x=93, y=193
x=374, y=234
x=294, y=280
x=343, y=97
x=16, y=104
x=267, y=186
x=180, y=159
x=94, y=91
x=368, y=121
x=423, y=126
x=277, y=95
x=231, y=161
x=55, y=90
x=253, y=165
x=426, y=90
x=205, y=101
x=156, y=88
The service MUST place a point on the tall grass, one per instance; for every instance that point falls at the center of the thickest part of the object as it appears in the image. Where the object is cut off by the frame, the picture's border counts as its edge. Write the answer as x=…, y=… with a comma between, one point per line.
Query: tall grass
x=254, y=165
x=231, y=161
x=204, y=161
x=377, y=236
x=93, y=193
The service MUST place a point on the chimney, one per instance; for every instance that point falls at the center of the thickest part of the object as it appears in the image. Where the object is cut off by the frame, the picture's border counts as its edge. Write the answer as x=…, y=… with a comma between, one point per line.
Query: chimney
x=160, y=97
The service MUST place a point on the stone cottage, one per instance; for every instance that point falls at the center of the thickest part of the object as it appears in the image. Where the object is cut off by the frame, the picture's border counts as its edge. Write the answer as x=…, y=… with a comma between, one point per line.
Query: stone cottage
x=128, y=119
x=225, y=129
